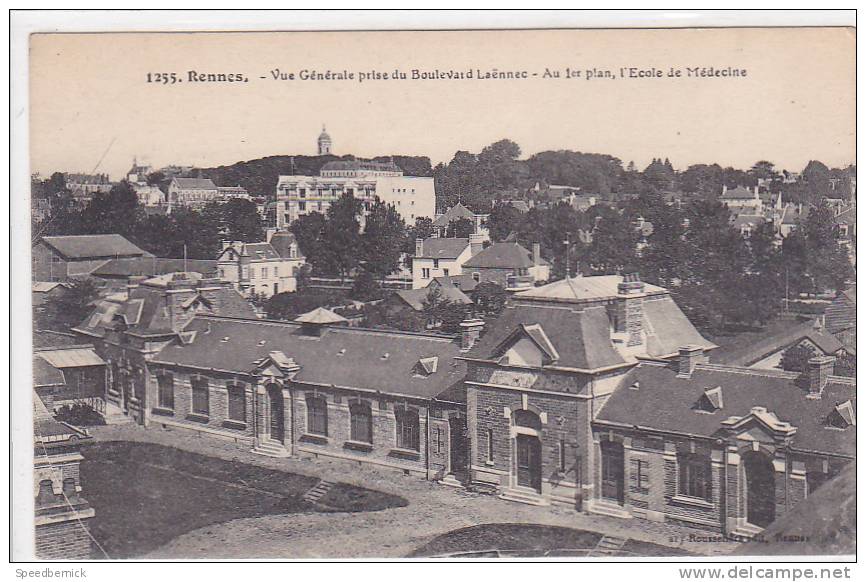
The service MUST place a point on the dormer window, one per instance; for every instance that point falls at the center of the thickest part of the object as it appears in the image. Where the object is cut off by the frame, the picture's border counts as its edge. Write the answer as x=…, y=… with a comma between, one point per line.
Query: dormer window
x=711, y=400
x=426, y=366
x=842, y=415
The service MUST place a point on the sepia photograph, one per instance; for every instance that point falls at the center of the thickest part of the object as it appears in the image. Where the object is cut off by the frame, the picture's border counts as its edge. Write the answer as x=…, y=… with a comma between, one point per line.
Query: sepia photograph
x=540, y=293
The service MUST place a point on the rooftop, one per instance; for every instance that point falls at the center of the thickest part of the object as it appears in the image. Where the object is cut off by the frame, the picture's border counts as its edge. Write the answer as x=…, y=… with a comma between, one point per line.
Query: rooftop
x=443, y=248
x=456, y=212
x=194, y=183
x=743, y=389
x=503, y=255
x=583, y=288
x=368, y=360
x=415, y=297
x=92, y=246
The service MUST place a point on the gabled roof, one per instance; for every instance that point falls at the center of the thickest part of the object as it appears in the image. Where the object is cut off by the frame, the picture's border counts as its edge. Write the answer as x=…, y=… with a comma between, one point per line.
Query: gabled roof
x=45, y=286
x=443, y=248
x=751, y=353
x=261, y=251
x=87, y=246
x=738, y=193
x=464, y=282
x=282, y=243
x=667, y=328
x=44, y=374
x=320, y=316
x=665, y=402
x=194, y=183
x=581, y=337
x=414, y=298
x=368, y=360
x=502, y=255
x=152, y=266
x=534, y=332
x=456, y=212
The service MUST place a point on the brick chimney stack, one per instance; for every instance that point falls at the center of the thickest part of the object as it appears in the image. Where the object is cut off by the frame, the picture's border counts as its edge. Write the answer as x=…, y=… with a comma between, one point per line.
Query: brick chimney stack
x=820, y=368
x=628, y=309
x=419, y=247
x=470, y=331
x=689, y=357
x=536, y=254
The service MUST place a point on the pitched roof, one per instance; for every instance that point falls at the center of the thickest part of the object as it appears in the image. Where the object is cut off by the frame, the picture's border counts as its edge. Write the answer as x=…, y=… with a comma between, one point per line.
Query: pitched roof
x=374, y=360
x=456, y=212
x=282, y=243
x=45, y=286
x=502, y=255
x=70, y=357
x=465, y=282
x=44, y=374
x=580, y=337
x=320, y=316
x=848, y=217
x=415, y=297
x=738, y=193
x=443, y=248
x=152, y=266
x=750, y=353
x=666, y=402
x=195, y=183
x=88, y=246
x=583, y=288
x=667, y=328
x=261, y=251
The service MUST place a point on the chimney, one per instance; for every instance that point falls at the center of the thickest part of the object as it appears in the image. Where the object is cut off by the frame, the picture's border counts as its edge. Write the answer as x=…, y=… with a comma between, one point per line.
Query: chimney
x=476, y=244
x=628, y=309
x=688, y=358
x=269, y=233
x=820, y=367
x=419, y=247
x=536, y=254
x=724, y=188
x=470, y=331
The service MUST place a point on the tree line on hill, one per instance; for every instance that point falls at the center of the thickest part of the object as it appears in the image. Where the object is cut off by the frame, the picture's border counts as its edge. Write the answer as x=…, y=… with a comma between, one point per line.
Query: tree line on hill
x=497, y=172
x=198, y=233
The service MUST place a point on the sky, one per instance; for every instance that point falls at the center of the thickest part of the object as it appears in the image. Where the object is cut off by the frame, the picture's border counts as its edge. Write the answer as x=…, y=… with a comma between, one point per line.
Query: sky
x=91, y=107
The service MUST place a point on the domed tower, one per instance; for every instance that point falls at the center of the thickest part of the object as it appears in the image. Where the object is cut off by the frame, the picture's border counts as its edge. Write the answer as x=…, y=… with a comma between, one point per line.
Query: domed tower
x=324, y=142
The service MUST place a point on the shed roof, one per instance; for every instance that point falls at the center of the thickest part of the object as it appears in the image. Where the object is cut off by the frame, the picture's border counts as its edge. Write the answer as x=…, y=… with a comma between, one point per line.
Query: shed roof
x=88, y=246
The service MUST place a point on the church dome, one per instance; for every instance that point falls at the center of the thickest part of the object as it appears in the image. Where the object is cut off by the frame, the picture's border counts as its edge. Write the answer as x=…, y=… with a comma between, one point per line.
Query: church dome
x=324, y=135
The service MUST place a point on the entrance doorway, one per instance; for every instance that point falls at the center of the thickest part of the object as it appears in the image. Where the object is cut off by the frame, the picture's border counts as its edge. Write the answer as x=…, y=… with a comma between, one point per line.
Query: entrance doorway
x=457, y=442
x=529, y=461
x=612, y=472
x=760, y=489
x=277, y=424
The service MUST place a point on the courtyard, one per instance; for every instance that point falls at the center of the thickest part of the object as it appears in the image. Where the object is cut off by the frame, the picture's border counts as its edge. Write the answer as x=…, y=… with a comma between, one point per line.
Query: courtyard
x=175, y=494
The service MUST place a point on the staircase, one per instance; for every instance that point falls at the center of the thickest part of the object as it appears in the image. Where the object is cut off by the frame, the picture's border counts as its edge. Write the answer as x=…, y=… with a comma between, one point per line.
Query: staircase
x=270, y=448
x=608, y=546
x=527, y=496
x=115, y=415
x=317, y=492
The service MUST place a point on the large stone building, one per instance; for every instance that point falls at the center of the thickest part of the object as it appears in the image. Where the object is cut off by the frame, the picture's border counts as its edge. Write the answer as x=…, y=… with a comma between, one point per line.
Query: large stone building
x=442, y=257
x=127, y=332
x=411, y=196
x=191, y=192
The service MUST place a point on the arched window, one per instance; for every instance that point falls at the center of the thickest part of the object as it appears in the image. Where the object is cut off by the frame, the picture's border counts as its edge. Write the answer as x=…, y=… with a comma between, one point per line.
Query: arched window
x=361, y=418
x=408, y=429
x=317, y=415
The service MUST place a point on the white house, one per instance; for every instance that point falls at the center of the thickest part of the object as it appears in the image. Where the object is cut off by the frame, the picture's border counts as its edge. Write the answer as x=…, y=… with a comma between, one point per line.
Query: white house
x=442, y=257
x=265, y=268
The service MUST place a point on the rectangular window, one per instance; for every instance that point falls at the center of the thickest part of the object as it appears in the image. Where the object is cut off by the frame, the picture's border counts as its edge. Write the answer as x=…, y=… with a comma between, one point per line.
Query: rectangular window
x=200, y=398
x=264, y=272
x=302, y=192
x=302, y=206
x=437, y=440
x=165, y=395
x=445, y=272
x=435, y=263
x=695, y=476
x=489, y=445
x=641, y=468
x=562, y=454
x=425, y=273
x=407, y=429
x=237, y=403
x=317, y=415
x=361, y=418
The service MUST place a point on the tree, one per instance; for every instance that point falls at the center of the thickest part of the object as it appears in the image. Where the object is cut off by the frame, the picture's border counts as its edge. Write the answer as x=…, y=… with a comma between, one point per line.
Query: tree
x=764, y=170
x=503, y=220
x=460, y=228
x=489, y=297
x=341, y=235
x=70, y=307
x=239, y=220
x=827, y=262
x=114, y=212
x=846, y=365
x=796, y=359
x=365, y=286
x=309, y=231
x=614, y=245
x=383, y=239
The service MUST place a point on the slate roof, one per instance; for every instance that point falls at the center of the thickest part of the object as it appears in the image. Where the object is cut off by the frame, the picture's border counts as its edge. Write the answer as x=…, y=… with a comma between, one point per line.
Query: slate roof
x=456, y=212
x=282, y=243
x=70, y=357
x=503, y=255
x=583, y=288
x=738, y=193
x=443, y=248
x=752, y=353
x=92, y=246
x=348, y=357
x=195, y=183
x=415, y=297
x=44, y=374
x=360, y=165
x=152, y=266
x=791, y=216
x=261, y=251
x=580, y=337
x=45, y=286
x=320, y=316
x=464, y=282
x=667, y=328
x=667, y=403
